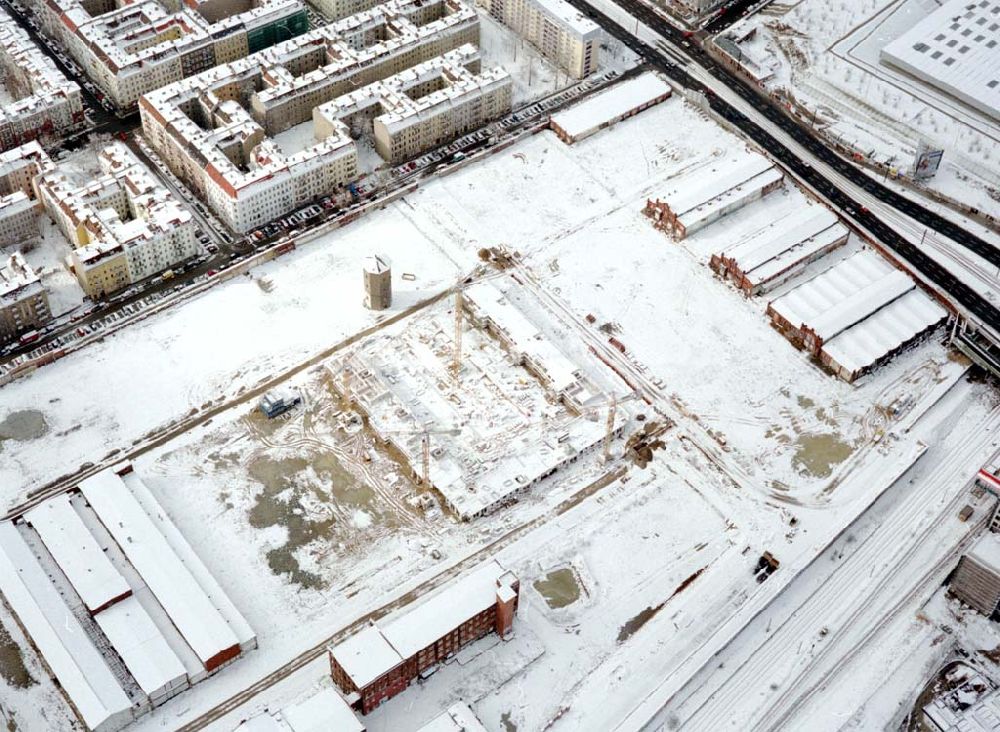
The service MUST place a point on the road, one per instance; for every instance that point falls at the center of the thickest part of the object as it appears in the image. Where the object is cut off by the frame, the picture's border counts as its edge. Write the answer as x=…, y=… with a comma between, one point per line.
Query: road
x=838, y=181
x=525, y=117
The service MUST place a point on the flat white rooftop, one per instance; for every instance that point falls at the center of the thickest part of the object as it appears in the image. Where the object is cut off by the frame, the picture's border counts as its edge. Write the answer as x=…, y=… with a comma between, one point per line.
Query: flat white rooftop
x=431, y=618
x=458, y=717
x=366, y=655
x=611, y=105
x=68, y=651
x=986, y=551
x=77, y=553
x=956, y=49
x=141, y=645
x=379, y=648
x=325, y=711
x=170, y=580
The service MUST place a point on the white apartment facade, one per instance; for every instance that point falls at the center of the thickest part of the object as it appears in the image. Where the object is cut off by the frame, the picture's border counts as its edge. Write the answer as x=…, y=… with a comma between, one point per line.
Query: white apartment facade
x=124, y=226
x=215, y=130
x=132, y=48
x=46, y=104
x=559, y=31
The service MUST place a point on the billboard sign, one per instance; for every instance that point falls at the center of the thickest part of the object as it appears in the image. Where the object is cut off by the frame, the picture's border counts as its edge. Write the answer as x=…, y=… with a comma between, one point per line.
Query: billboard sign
x=927, y=161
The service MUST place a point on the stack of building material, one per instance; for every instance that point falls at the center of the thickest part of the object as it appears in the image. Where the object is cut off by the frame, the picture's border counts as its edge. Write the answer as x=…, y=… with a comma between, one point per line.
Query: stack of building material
x=855, y=315
x=697, y=200
x=976, y=581
x=774, y=254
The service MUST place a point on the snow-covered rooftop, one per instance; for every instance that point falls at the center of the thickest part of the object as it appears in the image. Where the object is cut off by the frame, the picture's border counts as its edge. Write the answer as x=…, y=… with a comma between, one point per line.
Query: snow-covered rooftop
x=986, y=551
x=612, y=104
x=956, y=49
x=141, y=645
x=68, y=650
x=459, y=717
x=430, y=619
x=366, y=655
x=190, y=609
x=17, y=279
x=77, y=553
x=768, y=252
x=877, y=335
x=325, y=711
x=376, y=650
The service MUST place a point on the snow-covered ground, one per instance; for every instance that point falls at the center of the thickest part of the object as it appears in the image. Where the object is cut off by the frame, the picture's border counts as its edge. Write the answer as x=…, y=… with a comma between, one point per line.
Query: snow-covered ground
x=306, y=535
x=827, y=56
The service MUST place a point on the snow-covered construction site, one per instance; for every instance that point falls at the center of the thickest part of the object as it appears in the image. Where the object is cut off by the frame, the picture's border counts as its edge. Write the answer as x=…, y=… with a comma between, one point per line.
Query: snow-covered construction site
x=481, y=416
x=627, y=433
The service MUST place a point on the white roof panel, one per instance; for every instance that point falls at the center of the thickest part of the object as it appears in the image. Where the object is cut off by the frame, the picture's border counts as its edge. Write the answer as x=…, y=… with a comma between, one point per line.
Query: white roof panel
x=457, y=718
x=82, y=671
x=325, y=711
x=142, y=647
x=366, y=655
x=77, y=553
x=609, y=105
x=864, y=344
x=956, y=49
x=421, y=625
x=175, y=588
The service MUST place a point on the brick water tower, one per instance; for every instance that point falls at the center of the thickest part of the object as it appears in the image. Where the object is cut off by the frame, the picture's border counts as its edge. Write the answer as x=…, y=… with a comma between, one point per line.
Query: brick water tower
x=378, y=282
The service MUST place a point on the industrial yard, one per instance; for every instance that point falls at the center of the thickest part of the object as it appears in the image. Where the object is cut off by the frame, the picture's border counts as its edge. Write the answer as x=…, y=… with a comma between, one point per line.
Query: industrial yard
x=609, y=421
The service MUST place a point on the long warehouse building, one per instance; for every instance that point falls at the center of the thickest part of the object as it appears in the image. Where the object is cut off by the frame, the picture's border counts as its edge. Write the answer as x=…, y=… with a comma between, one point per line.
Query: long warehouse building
x=123, y=612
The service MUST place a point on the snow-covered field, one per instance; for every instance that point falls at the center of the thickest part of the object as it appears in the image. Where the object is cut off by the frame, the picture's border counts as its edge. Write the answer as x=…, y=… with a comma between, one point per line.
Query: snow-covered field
x=769, y=452
x=827, y=56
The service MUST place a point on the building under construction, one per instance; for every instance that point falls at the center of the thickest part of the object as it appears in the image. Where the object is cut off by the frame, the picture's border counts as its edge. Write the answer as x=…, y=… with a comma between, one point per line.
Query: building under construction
x=976, y=581
x=484, y=424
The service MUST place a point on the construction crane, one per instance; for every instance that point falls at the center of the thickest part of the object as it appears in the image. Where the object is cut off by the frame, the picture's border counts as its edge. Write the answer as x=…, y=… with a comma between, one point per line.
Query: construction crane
x=425, y=446
x=609, y=429
x=456, y=362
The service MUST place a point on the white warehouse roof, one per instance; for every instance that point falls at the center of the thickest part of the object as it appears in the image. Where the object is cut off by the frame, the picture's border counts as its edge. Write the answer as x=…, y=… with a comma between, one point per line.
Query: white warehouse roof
x=190, y=609
x=68, y=650
x=457, y=718
x=611, y=105
x=956, y=49
x=77, y=553
x=325, y=711
x=141, y=645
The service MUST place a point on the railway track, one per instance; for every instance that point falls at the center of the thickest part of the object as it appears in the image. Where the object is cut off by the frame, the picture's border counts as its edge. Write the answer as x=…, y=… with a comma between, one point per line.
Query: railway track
x=872, y=565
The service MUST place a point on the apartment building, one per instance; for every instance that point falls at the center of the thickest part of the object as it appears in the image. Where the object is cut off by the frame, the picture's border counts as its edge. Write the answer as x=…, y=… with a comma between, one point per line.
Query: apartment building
x=24, y=304
x=124, y=226
x=220, y=131
x=19, y=204
x=43, y=103
x=560, y=32
x=128, y=49
x=426, y=106
x=382, y=660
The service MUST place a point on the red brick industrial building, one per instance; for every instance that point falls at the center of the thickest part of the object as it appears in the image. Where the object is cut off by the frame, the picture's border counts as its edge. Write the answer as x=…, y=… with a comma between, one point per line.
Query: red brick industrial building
x=382, y=660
